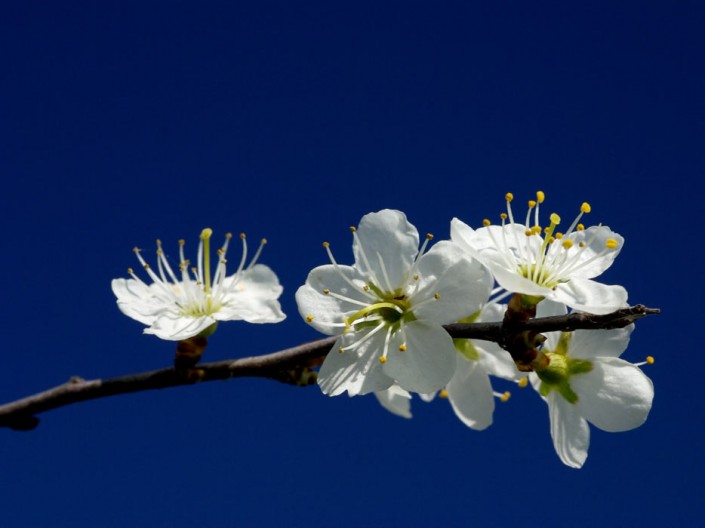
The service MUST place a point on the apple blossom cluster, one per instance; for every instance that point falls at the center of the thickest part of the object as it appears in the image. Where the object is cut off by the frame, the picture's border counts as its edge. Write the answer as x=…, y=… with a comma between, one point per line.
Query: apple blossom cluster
x=388, y=310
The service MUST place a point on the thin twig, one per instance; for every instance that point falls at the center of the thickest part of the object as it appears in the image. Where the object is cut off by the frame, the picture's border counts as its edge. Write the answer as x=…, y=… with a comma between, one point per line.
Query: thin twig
x=291, y=365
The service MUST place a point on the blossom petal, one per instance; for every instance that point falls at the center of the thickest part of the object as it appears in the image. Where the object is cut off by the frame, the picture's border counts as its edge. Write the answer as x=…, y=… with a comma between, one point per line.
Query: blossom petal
x=355, y=371
x=388, y=235
x=588, y=344
x=462, y=285
x=592, y=260
x=328, y=310
x=396, y=400
x=569, y=431
x=136, y=300
x=589, y=296
x=252, y=297
x=428, y=362
x=176, y=327
x=615, y=396
x=470, y=394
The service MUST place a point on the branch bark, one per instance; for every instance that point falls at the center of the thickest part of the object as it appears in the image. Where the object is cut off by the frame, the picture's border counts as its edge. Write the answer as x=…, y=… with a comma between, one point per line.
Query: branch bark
x=292, y=365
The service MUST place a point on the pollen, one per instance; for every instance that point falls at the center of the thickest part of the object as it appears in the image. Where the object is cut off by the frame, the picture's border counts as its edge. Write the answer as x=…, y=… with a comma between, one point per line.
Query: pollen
x=540, y=196
x=443, y=393
x=309, y=318
x=611, y=243
x=402, y=348
x=585, y=208
x=509, y=197
x=486, y=222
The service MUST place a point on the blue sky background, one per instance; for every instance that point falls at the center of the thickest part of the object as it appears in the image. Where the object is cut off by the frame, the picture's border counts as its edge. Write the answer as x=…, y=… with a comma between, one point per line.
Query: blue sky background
x=123, y=122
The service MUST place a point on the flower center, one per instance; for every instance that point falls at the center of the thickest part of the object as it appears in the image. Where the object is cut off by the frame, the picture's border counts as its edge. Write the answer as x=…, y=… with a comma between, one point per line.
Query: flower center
x=556, y=376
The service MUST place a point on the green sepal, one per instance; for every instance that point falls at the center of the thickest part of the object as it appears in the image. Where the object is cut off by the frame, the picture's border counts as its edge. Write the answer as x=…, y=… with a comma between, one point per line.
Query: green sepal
x=467, y=349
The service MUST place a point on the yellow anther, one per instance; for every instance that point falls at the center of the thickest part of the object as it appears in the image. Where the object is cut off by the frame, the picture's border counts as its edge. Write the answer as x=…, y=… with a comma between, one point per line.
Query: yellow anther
x=486, y=222
x=443, y=393
x=352, y=229
x=416, y=276
x=559, y=235
x=555, y=219
x=582, y=244
x=206, y=233
x=429, y=236
x=540, y=196
x=159, y=242
x=523, y=382
x=650, y=360
x=437, y=296
x=160, y=252
x=326, y=244
x=146, y=266
x=326, y=291
x=341, y=350
x=243, y=236
x=382, y=360
x=505, y=397
x=580, y=227
x=611, y=243
x=228, y=235
x=130, y=271
x=551, y=240
x=503, y=216
x=585, y=208
x=220, y=252
x=532, y=204
x=536, y=230
x=365, y=288
x=136, y=249
x=309, y=318
x=263, y=241
x=528, y=232
x=402, y=348
x=182, y=242
x=567, y=243
x=509, y=197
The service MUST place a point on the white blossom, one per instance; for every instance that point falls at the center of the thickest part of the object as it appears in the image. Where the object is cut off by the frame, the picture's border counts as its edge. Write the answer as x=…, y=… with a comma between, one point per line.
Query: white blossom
x=179, y=305
x=586, y=381
x=529, y=259
x=388, y=308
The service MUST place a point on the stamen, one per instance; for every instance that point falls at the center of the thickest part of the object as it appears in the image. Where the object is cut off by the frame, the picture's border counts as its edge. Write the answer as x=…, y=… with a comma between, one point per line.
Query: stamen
x=443, y=393
x=403, y=348
x=503, y=396
x=309, y=318
x=262, y=243
x=523, y=382
x=649, y=361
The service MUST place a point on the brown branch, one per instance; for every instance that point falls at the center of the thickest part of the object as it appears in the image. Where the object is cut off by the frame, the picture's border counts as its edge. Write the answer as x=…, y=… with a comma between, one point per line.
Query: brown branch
x=292, y=365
